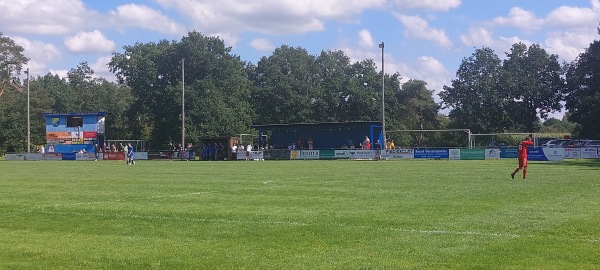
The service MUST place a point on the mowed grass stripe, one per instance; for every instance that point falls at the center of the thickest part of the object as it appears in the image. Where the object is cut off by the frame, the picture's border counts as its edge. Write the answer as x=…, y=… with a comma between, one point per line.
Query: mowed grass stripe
x=299, y=214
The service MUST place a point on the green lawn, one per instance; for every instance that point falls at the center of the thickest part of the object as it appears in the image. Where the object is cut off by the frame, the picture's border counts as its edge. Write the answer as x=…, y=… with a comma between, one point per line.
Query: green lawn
x=416, y=214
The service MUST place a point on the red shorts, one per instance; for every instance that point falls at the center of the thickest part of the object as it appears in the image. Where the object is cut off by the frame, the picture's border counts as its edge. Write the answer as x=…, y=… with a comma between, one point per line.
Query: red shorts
x=522, y=162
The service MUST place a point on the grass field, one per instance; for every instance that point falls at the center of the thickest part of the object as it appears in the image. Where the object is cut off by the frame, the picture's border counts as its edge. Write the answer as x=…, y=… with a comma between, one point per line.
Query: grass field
x=408, y=214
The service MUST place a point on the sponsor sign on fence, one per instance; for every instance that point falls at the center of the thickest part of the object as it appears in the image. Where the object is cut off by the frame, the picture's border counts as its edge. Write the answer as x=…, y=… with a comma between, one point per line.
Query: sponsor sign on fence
x=304, y=154
x=327, y=154
x=432, y=153
x=472, y=154
x=454, y=154
x=492, y=153
x=590, y=152
x=85, y=156
x=113, y=156
x=364, y=154
x=545, y=154
x=572, y=153
x=273, y=154
x=342, y=154
x=399, y=154
x=508, y=153
x=254, y=155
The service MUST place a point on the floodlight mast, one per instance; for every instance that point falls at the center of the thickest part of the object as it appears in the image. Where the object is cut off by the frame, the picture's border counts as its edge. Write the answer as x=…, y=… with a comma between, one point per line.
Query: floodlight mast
x=383, y=98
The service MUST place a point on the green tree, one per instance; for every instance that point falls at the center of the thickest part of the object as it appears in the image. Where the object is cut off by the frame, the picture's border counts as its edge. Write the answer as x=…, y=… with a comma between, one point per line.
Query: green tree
x=217, y=91
x=583, y=91
x=534, y=80
x=475, y=98
x=13, y=101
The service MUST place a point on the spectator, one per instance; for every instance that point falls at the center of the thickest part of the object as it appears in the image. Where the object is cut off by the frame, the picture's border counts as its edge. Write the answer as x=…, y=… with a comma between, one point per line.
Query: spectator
x=310, y=144
x=248, y=150
x=377, y=145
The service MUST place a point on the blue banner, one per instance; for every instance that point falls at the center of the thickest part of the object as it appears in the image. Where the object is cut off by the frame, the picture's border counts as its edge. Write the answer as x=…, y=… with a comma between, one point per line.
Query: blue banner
x=432, y=153
x=508, y=152
x=69, y=156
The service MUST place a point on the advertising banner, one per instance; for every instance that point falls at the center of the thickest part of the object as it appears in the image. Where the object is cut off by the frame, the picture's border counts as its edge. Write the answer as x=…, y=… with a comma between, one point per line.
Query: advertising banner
x=14, y=157
x=454, y=154
x=399, y=154
x=254, y=155
x=364, y=154
x=52, y=156
x=33, y=156
x=508, y=152
x=572, y=153
x=273, y=155
x=304, y=154
x=85, y=156
x=89, y=135
x=545, y=154
x=113, y=156
x=342, y=154
x=69, y=156
x=590, y=152
x=58, y=136
x=435, y=153
x=326, y=154
x=493, y=153
x=472, y=154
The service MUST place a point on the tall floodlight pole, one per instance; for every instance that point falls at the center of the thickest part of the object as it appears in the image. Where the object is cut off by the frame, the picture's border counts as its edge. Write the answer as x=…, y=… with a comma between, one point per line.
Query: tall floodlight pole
x=383, y=98
x=28, y=122
x=182, y=103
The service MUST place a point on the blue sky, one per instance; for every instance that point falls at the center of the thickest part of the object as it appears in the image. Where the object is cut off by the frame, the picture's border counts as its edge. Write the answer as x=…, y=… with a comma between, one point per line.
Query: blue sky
x=424, y=39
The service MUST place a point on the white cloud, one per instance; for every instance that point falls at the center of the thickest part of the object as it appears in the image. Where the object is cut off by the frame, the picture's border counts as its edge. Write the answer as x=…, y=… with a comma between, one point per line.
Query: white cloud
x=568, y=45
x=267, y=16
x=443, y=5
x=365, y=39
x=45, y=17
x=482, y=37
x=39, y=54
x=417, y=27
x=141, y=16
x=262, y=44
x=100, y=68
x=573, y=17
x=89, y=42
x=520, y=18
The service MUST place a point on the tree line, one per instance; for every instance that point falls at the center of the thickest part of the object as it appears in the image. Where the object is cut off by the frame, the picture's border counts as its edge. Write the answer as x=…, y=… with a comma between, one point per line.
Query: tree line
x=224, y=95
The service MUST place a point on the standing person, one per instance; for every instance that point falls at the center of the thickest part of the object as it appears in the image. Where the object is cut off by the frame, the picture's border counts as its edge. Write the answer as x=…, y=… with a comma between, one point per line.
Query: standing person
x=130, y=160
x=234, y=149
x=522, y=156
x=248, y=150
x=123, y=149
x=310, y=144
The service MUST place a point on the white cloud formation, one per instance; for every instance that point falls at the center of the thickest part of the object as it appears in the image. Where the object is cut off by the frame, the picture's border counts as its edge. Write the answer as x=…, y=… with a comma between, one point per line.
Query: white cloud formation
x=568, y=45
x=144, y=17
x=267, y=16
x=39, y=54
x=416, y=27
x=566, y=16
x=262, y=44
x=45, y=17
x=100, y=68
x=482, y=37
x=89, y=42
x=365, y=39
x=443, y=5
x=520, y=18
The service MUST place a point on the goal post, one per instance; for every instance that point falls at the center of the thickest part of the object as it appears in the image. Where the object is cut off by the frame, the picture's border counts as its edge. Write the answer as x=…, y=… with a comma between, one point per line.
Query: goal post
x=411, y=138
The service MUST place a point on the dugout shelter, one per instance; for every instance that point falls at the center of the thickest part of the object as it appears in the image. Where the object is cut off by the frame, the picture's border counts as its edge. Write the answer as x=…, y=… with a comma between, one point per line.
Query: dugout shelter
x=329, y=135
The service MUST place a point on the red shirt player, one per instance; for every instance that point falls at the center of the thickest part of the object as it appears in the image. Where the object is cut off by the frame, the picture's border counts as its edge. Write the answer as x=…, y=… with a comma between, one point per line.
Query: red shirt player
x=522, y=156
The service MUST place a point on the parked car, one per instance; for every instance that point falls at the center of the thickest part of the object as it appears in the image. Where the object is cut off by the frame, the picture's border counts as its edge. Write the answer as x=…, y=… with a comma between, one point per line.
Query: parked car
x=554, y=143
x=591, y=144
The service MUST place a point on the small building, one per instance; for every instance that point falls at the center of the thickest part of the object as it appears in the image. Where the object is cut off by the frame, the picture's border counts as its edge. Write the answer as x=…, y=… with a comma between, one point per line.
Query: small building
x=74, y=132
x=332, y=135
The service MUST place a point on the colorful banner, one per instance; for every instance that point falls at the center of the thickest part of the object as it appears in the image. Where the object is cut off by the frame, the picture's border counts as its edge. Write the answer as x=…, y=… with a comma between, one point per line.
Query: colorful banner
x=590, y=152
x=113, y=156
x=508, y=152
x=90, y=135
x=399, y=154
x=472, y=154
x=435, y=153
x=52, y=156
x=58, y=136
x=304, y=154
x=545, y=154
x=85, y=156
